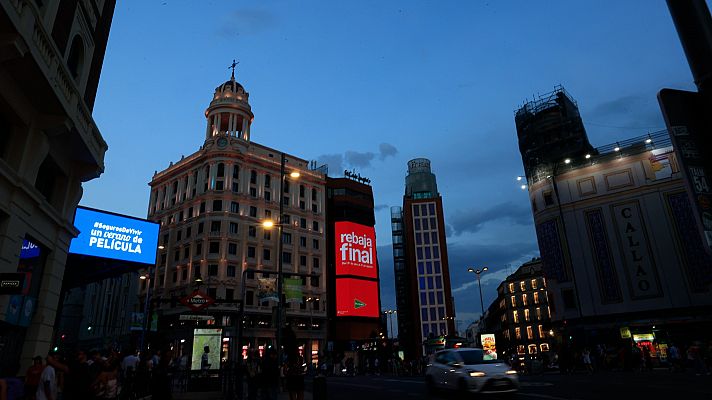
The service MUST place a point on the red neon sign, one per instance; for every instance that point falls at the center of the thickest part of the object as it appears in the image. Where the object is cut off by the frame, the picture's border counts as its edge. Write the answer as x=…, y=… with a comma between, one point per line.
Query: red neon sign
x=355, y=250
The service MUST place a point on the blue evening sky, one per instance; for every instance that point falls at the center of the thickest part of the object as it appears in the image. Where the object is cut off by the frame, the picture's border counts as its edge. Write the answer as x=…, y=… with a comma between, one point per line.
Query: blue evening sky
x=369, y=85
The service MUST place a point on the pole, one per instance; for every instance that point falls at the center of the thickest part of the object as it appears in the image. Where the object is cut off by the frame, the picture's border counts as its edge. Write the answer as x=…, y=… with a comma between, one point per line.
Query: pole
x=145, y=312
x=279, y=262
x=482, y=304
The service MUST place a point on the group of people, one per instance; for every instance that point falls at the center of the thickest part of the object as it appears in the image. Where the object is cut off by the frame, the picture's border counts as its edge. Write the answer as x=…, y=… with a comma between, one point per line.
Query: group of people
x=110, y=375
x=265, y=375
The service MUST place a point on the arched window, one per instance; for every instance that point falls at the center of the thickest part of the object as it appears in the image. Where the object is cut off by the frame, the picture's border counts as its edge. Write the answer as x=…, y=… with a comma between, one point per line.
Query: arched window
x=75, y=61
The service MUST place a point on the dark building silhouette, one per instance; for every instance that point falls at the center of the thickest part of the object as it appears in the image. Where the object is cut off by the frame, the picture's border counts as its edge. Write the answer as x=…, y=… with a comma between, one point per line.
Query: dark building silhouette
x=50, y=62
x=423, y=293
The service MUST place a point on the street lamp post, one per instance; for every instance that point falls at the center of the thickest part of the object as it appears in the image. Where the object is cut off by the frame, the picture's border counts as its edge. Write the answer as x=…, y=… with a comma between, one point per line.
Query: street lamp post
x=390, y=321
x=146, y=278
x=478, y=272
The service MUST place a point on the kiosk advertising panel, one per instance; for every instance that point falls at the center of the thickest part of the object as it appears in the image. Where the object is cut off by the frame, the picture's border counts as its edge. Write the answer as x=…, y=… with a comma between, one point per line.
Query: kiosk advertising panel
x=355, y=250
x=114, y=236
x=356, y=298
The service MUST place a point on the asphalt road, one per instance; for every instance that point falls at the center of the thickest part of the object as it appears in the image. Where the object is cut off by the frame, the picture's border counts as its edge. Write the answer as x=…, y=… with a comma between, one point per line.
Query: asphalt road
x=608, y=385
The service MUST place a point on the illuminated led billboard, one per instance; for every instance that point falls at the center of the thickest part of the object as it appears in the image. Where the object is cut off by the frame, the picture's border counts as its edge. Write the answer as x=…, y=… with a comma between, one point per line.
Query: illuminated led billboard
x=355, y=250
x=356, y=298
x=114, y=236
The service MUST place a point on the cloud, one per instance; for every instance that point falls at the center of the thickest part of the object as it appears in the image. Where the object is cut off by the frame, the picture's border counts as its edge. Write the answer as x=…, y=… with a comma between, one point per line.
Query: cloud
x=386, y=150
x=335, y=162
x=473, y=220
x=380, y=207
x=631, y=111
x=247, y=22
x=356, y=159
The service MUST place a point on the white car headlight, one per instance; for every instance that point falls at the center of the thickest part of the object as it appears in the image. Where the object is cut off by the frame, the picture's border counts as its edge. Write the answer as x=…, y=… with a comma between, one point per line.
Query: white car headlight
x=477, y=374
x=511, y=372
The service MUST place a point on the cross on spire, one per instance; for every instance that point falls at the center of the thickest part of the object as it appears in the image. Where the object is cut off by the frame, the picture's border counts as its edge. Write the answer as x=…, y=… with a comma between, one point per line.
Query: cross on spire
x=233, y=65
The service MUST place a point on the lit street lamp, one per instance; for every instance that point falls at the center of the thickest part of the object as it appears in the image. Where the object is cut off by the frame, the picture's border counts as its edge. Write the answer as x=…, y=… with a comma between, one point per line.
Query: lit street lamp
x=478, y=272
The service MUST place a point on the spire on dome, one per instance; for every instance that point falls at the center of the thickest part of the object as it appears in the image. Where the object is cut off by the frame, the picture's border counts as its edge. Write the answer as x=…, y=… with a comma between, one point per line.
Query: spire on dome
x=233, y=65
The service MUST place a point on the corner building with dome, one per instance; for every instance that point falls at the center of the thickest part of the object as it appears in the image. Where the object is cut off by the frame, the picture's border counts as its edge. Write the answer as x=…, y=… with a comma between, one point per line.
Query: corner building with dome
x=211, y=206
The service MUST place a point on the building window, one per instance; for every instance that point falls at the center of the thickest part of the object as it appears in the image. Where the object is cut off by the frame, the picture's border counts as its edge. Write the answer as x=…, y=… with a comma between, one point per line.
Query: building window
x=544, y=347
x=200, y=227
x=253, y=211
x=268, y=180
x=514, y=301
x=215, y=227
x=315, y=263
x=250, y=252
x=213, y=292
x=530, y=333
x=231, y=269
x=285, y=200
x=315, y=244
x=538, y=314
x=523, y=286
x=518, y=333
x=253, y=192
x=233, y=228
x=268, y=195
x=235, y=207
x=198, y=248
x=302, y=261
x=214, y=248
x=176, y=255
x=548, y=199
x=184, y=274
x=212, y=269
x=186, y=252
x=515, y=316
x=266, y=254
x=202, y=207
x=267, y=235
x=525, y=300
x=253, y=177
x=303, y=241
x=229, y=294
x=534, y=285
x=526, y=314
x=286, y=257
x=314, y=281
x=536, y=297
x=511, y=288
x=232, y=248
x=251, y=231
x=541, y=331
x=315, y=226
x=532, y=348
x=314, y=195
x=567, y=295
x=249, y=298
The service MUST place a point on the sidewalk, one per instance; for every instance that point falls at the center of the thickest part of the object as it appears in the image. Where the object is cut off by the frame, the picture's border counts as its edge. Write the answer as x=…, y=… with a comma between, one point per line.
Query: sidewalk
x=219, y=396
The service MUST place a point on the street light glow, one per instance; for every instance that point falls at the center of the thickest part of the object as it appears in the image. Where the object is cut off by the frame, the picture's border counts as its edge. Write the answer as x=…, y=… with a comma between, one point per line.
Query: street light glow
x=617, y=148
x=519, y=178
x=523, y=187
x=268, y=224
x=143, y=277
x=567, y=161
x=588, y=156
x=161, y=247
x=294, y=174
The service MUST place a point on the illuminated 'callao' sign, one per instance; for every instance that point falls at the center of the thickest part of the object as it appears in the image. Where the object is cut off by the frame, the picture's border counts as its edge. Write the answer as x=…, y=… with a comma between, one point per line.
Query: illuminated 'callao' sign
x=355, y=250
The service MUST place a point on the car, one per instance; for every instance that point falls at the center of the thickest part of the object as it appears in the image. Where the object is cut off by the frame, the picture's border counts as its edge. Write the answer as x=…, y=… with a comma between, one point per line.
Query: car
x=467, y=370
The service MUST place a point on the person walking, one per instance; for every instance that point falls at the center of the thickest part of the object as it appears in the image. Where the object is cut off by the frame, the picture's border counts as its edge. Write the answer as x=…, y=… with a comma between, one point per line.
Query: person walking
x=294, y=372
x=162, y=379
x=106, y=385
x=253, y=371
x=47, y=387
x=674, y=357
x=270, y=375
x=586, y=359
x=32, y=378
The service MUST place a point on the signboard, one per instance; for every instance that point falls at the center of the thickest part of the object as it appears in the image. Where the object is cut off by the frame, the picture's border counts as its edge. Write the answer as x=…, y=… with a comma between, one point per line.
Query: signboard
x=293, y=290
x=355, y=250
x=639, y=337
x=106, y=235
x=688, y=122
x=206, y=342
x=356, y=298
x=625, y=332
x=12, y=283
x=29, y=250
x=137, y=321
x=488, y=346
x=191, y=317
x=267, y=289
x=197, y=300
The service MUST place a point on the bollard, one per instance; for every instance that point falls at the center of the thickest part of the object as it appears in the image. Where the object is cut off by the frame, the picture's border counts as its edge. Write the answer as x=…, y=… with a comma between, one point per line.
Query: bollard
x=319, y=388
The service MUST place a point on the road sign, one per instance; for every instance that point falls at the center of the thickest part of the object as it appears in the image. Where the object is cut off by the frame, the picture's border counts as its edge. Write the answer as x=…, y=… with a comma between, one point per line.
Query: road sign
x=192, y=317
x=197, y=300
x=12, y=283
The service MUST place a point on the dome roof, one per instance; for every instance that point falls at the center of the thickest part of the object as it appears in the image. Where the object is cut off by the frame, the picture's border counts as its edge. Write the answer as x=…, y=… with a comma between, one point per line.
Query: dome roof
x=231, y=85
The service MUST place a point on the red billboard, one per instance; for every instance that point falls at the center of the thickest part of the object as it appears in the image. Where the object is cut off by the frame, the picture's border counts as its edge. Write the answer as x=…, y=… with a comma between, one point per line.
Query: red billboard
x=355, y=250
x=356, y=298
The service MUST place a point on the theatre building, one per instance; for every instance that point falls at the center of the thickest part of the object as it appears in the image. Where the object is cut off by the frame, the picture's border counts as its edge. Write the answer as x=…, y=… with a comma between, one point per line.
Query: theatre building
x=352, y=270
x=620, y=249
x=211, y=206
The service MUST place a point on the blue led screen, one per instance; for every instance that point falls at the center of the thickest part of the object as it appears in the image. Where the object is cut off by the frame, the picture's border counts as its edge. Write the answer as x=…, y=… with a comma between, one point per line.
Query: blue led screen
x=113, y=236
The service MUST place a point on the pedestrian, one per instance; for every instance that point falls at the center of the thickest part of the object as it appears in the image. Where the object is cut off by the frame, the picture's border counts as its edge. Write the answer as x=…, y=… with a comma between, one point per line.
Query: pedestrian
x=47, y=387
x=270, y=375
x=77, y=383
x=253, y=371
x=294, y=372
x=32, y=378
x=106, y=385
x=674, y=357
x=11, y=387
x=205, y=361
x=586, y=359
x=161, y=387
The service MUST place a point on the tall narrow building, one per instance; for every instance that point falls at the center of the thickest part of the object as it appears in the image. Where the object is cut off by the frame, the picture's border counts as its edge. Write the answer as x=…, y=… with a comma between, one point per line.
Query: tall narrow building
x=424, y=297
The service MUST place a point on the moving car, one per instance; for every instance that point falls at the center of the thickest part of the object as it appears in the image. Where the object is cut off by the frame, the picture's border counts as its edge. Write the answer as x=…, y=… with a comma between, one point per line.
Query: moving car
x=468, y=371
